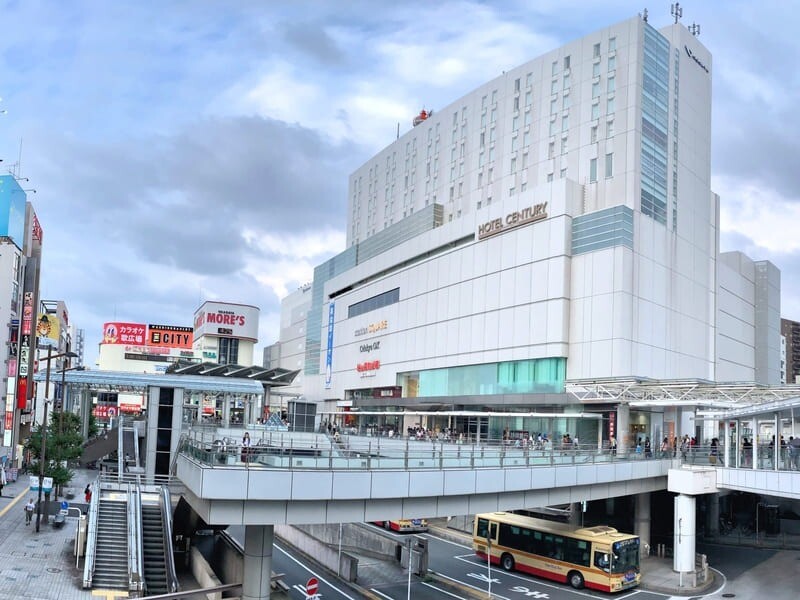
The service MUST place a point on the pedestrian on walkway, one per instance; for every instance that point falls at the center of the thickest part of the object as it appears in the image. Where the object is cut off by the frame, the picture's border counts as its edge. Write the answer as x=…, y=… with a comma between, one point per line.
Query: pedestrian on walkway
x=29, y=508
x=3, y=479
x=87, y=494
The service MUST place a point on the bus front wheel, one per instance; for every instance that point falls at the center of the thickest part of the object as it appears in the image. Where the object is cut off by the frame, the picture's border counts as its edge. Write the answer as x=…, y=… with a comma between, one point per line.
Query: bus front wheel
x=507, y=561
x=575, y=580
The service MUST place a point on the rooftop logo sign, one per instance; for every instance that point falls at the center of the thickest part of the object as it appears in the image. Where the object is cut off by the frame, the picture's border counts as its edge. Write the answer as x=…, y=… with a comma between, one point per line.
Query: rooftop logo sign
x=695, y=59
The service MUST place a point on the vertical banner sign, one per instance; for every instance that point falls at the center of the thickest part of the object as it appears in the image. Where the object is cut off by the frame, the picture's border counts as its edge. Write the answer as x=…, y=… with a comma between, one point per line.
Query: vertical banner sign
x=329, y=350
x=612, y=424
x=24, y=351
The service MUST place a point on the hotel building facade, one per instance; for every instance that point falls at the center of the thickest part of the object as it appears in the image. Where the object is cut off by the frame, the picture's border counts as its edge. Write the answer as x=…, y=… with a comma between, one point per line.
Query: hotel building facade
x=555, y=224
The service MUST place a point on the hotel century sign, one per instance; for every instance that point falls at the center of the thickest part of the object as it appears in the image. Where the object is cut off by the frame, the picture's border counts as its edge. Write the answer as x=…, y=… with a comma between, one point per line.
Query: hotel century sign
x=518, y=218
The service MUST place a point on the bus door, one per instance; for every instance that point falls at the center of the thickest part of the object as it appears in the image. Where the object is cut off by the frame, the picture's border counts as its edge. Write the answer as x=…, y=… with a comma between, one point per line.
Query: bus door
x=492, y=535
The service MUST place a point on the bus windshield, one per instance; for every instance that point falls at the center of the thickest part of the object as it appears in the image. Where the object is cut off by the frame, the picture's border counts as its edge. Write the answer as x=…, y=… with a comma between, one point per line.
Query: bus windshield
x=626, y=556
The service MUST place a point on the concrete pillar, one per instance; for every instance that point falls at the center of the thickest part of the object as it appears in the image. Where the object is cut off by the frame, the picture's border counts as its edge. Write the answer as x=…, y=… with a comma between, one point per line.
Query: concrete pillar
x=776, y=449
x=226, y=410
x=726, y=441
x=684, y=528
x=641, y=519
x=257, y=562
x=623, y=428
x=754, y=458
x=575, y=513
x=609, y=507
x=712, y=514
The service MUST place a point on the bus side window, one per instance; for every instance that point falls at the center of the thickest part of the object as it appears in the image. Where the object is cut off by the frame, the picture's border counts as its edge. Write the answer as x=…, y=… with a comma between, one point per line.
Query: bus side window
x=493, y=531
x=601, y=561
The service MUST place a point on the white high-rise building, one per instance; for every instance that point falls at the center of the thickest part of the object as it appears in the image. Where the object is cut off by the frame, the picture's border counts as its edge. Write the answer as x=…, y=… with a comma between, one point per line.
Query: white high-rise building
x=557, y=223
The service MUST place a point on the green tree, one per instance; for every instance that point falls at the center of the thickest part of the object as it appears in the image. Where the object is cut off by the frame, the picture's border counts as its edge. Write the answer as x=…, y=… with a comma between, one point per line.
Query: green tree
x=64, y=443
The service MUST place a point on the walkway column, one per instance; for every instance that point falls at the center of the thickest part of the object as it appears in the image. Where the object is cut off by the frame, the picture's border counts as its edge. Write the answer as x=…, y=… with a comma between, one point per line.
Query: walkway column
x=576, y=509
x=754, y=458
x=726, y=443
x=623, y=428
x=257, y=562
x=776, y=448
x=641, y=519
x=712, y=515
x=226, y=410
x=684, y=527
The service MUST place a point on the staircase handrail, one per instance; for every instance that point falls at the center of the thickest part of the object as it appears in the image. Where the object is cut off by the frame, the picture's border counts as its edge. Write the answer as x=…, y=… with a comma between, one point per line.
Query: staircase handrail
x=135, y=543
x=169, y=554
x=91, y=537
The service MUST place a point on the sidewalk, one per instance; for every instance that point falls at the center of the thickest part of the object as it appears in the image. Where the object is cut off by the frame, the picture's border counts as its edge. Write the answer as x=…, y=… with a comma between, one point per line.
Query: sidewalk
x=39, y=565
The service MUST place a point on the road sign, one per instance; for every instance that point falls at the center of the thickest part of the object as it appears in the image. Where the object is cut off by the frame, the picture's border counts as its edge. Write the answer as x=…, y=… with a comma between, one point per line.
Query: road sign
x=312, y=586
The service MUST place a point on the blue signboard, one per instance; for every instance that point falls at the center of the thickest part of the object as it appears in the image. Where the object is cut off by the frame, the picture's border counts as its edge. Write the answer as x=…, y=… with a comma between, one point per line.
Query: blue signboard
x=329, y=352
x=12, y=210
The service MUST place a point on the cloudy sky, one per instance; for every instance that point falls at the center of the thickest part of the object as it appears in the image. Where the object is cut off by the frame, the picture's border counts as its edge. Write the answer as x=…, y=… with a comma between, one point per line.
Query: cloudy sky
x=186, y=151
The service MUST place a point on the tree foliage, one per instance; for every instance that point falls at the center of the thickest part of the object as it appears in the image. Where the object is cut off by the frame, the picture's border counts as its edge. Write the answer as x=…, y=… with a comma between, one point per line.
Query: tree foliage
x=63, y=443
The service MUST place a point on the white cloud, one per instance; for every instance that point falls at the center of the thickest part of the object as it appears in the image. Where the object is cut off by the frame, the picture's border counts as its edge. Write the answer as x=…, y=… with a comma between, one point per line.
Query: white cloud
x=758, y=213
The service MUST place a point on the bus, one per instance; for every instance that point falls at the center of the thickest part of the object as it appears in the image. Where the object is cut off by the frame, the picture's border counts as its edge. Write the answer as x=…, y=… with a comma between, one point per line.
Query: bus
x=599, y=557
x=405, y=525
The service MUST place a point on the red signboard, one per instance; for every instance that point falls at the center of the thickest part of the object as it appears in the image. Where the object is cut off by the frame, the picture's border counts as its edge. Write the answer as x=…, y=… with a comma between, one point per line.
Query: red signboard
x=124, y=333
x=169, y=336
x=312, y=586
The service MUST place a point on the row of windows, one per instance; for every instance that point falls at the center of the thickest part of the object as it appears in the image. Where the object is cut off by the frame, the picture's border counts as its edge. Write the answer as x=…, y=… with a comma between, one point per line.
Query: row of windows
x=374, y=303
x=558, y=547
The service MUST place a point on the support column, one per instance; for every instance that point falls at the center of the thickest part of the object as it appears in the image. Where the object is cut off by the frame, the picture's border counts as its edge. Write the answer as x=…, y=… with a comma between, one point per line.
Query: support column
x=684, y=528
x=623, y=428
x=575, y=512
x=257, y=562
x=776, y=447
x=712, y=515
x=726, y=432
x=641, y=519
x=226, y=410
x=754, y=457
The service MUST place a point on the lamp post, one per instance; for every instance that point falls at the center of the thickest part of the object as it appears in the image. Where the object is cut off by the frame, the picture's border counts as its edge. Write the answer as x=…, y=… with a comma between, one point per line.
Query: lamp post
x=50, y=357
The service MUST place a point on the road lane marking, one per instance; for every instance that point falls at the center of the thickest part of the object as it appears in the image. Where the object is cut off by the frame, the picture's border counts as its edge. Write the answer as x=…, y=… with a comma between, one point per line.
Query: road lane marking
x=11, y=504
x=441, y=591
x=292, y=558
x=380, y=593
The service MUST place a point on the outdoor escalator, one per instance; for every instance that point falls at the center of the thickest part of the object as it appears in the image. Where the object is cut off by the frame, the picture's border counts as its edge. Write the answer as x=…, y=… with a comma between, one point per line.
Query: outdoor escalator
x=111, y=548
x=158, y=558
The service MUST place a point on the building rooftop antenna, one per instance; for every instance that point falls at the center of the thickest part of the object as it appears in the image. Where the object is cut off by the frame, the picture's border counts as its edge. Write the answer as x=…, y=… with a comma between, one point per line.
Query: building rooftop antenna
x=644, y=15
x=694, y=29
x=676, y=11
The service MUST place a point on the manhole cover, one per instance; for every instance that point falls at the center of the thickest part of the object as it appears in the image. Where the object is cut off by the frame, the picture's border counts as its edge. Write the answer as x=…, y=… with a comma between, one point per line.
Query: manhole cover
x=729, y=595
x=53, y=570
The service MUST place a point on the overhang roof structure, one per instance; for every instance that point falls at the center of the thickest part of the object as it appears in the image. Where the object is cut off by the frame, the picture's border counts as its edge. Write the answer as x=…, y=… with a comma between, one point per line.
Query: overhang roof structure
x=122, y=381
x=643, y=391
x=270, y=377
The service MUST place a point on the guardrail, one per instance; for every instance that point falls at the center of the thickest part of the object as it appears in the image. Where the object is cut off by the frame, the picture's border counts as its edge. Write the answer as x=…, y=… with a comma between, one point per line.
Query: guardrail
x=91, y=538
x=135, y=541
x=283, y=451
x=165, y=503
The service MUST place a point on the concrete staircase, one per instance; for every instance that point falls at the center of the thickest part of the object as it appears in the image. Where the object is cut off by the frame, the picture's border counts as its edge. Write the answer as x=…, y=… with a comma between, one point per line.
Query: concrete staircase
x=111, y=554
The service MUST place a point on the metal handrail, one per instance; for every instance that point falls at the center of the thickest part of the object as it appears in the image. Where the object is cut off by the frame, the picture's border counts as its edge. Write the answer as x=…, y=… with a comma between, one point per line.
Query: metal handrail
x=135, y=544
x=91, y=538
x=166, y=518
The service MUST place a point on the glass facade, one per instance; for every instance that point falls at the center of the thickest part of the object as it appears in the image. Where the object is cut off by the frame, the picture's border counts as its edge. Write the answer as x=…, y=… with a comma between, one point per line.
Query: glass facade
x=534, y=376
x=602, y=229
x=374, y=303
x=655, y=124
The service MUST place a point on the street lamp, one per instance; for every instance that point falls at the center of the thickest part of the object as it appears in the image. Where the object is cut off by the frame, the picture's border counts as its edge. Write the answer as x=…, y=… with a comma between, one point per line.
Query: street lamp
x=50, y=357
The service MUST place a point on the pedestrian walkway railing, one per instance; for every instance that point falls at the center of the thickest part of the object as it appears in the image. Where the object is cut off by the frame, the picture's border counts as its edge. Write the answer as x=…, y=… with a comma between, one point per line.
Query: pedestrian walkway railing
x=91, y=539
x=135, y=539
x=280, y=450
x=165, y=503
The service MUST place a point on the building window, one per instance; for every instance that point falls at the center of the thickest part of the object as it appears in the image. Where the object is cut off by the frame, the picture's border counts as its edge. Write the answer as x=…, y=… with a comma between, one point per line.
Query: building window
x=596, y=89
x=610, y=106
x=596, y=70
x=513, y=165
x=516, y=103
x=549, y=177
x=551, y=149
x=595, y=111
x=612, y=63
x=526, y=139
x=494, y=115
x=566, y=82
x=563, y=173
x=563, y=145
x=529, y=79
x=494, y=96
x=610, y=128
x=566, y=102
x=554, y=68
x=228, y=351
x=564, y=124
x=596, y=51
x=514, y=123
x=528, y=97
x=566, y=62
x=511, y=191
x=593, y=170
x=554, y=86
x=524, y=160
x=612, y=85
x=593, y=138
x=516, y=85
x=610, y=164
x=612, y=44
x=553, y=106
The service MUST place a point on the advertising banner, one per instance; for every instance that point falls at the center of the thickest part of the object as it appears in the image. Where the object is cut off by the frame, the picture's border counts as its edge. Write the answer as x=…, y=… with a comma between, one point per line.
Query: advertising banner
x=329, y=348
x=48, y=330
x=227, y=320
x=169, y=336
x=24, y=351
x=124, y=333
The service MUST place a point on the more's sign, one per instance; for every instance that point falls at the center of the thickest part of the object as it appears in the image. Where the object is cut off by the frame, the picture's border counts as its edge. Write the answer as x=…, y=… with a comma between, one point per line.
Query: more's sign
x=235, y=320
x=518, y=218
